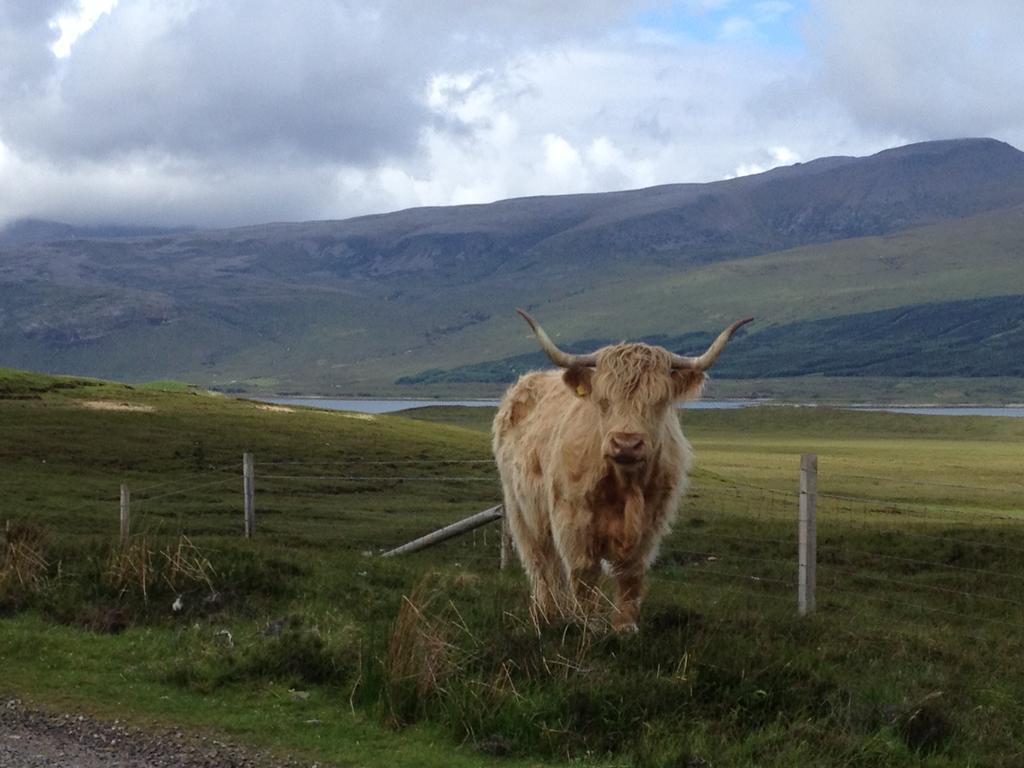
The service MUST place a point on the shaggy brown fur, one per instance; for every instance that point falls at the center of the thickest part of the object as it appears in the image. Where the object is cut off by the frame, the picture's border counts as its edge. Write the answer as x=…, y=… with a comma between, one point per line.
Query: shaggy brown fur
x=572, y=501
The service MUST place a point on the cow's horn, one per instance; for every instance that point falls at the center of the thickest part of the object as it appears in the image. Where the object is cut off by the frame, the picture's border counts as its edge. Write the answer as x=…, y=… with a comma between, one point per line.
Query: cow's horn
x=558, y=357
x=706, y=360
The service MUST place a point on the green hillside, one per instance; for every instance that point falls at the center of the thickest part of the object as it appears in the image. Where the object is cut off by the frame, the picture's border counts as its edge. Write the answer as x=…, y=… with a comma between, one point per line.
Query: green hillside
x=979, y=337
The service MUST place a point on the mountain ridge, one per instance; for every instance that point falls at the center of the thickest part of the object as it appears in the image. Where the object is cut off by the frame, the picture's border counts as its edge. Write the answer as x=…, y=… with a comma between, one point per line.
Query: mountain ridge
x=359, y=303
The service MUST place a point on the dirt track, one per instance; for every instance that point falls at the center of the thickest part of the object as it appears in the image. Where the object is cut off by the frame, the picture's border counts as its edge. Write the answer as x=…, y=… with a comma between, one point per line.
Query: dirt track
x=35, y=739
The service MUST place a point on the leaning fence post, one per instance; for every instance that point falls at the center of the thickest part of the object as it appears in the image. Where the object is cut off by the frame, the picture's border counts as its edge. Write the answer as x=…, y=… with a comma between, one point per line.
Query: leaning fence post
x=808, y=533
x=126, y=501
x=449, y=531
x=249, y=493
x=506, y=542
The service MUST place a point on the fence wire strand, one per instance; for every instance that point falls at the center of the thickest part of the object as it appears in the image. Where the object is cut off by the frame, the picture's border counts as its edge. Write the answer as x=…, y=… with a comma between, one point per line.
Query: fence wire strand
x=919, y=561
x=383, y=478
x=921, y=483
x=926, y=608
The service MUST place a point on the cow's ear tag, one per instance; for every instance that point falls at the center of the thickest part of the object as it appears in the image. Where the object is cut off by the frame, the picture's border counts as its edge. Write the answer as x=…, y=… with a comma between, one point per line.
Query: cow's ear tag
x=581, y=391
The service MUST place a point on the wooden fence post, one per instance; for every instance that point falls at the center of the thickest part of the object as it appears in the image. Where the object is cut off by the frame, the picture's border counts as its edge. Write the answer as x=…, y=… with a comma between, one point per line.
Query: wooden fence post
x=126, y=501
x=249, y=494
x=506, y=542
x=807, y=578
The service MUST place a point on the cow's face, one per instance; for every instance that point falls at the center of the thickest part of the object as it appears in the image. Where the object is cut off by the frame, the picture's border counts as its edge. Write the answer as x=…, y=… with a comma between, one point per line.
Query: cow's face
x=628, y=389
x=628, y=393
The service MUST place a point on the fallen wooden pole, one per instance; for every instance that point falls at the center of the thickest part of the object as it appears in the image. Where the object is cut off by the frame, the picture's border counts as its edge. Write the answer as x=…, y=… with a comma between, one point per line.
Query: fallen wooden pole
x=449, y=531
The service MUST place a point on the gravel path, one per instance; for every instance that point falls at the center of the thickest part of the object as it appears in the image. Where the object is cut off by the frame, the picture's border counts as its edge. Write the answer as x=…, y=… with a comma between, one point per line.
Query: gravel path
x=32, y=738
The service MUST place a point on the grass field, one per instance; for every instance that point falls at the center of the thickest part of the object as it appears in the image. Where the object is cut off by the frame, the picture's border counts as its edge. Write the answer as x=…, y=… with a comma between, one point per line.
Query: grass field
x=301, y=641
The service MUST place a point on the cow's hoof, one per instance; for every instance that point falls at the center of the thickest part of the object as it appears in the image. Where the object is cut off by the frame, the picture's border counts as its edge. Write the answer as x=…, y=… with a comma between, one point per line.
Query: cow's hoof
x=627, y=629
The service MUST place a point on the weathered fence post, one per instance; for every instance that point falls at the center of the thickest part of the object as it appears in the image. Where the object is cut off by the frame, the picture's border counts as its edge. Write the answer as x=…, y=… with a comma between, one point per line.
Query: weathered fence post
x=249, y=494
x=806, y=584
x=506, y=542
x=126, y=501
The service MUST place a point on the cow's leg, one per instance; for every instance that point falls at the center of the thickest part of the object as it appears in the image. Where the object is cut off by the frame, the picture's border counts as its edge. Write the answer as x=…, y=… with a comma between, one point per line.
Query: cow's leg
x=547, y=577
x=632, y=586
x=541, y=563
x=549, y=586
x=586, y=591
x=574, y=540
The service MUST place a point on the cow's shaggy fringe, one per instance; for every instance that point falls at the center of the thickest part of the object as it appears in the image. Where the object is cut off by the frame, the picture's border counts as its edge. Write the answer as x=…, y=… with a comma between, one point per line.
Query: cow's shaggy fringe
x=633, y=374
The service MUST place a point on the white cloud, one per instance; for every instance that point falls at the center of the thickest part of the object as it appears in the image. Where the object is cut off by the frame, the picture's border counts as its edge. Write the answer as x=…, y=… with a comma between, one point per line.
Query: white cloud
x=576, y=118
x=776, y=156
x=75, y=24
x=707, y=6
x=924, y=70
x=218, y=112
x=771, y=10
x=736, y=27
x=562, y=163
x=784, y=155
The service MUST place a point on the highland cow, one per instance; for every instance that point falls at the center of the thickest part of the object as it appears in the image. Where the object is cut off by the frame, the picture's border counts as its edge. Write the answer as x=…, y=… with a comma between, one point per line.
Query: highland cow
x=593, y=463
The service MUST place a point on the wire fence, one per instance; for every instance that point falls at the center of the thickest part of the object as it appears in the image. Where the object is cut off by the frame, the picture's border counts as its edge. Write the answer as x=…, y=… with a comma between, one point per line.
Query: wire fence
x=364, y=505
x=896, y=564
x=909, y=561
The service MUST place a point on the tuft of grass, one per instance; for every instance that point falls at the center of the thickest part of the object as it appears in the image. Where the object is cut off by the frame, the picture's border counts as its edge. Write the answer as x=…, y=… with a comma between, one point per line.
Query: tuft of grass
x=137, y=569
x=286, y=651
x=23, y=564
x=108, y=587
x=422, y=654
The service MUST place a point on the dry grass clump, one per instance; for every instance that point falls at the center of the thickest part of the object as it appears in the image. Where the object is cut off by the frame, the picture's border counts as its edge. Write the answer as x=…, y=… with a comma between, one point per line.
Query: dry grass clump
x=23, y=563
x=138, y=568
x=130, y=568
x=423, y=653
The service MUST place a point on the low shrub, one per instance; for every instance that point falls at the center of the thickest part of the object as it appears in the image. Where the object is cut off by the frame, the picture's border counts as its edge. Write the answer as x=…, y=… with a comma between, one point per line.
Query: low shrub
x=108, y=587
x=285, y=651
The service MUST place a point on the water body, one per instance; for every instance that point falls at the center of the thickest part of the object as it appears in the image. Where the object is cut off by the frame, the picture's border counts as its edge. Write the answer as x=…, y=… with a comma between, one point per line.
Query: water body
x=389, y=406
x=367, y=405
x=958, y=410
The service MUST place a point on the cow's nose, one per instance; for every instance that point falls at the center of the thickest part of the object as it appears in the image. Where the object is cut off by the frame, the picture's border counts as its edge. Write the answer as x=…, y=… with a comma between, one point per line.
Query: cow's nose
x=627, y=441
x=627, y=447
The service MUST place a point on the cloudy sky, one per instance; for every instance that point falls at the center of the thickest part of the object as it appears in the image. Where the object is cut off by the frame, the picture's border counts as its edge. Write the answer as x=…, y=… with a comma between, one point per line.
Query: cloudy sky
x=227, y=112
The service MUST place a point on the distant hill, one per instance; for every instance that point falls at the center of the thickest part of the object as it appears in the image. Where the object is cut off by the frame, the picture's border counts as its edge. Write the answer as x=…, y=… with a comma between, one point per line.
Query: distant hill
x=25, y=231
x=356, y=305
x=979, y=337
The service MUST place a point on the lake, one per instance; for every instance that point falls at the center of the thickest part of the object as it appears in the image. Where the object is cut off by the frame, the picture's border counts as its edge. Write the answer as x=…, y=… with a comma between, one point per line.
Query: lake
x=1012, y=411
x=367, y=405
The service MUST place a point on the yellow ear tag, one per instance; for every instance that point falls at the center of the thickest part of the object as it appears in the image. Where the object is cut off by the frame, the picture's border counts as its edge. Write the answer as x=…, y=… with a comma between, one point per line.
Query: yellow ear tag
x=581, y=390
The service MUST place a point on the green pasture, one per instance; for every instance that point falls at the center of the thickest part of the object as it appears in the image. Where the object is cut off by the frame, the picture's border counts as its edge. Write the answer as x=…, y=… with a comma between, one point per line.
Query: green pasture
x=305, y=641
